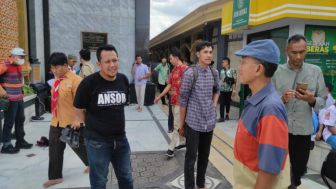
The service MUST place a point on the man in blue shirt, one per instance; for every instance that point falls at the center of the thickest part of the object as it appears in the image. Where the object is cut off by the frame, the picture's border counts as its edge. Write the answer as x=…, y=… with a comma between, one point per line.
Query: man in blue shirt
x=141, y=74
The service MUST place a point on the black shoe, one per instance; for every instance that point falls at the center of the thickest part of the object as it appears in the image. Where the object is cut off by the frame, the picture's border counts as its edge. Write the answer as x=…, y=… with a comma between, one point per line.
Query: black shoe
x=23, y=145
x=170, y=153
x=227, y=117
x=180, y=147
x=220, y=120
x=9, y=149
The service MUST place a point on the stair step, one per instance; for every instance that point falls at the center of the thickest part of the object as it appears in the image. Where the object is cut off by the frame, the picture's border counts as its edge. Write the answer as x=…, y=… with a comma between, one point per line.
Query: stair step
x=221, y=164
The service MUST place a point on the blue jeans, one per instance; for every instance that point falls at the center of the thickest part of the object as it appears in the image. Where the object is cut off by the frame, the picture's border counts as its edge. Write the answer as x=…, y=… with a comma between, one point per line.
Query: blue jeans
x=332, y=141
x=14, y=114
x=100, y=154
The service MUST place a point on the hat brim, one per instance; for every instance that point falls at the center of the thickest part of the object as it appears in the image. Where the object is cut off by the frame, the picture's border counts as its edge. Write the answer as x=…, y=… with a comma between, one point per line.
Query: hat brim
x=241, y=52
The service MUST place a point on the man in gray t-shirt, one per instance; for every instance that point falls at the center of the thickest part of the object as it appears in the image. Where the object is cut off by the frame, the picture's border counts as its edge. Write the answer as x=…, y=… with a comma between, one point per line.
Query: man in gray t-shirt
x=301, y=88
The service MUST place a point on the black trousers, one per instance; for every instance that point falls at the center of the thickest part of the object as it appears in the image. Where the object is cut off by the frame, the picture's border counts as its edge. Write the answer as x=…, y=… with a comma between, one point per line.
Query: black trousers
x=56, y=152
x=197, y=142
x=161, y=88
x=170, y=117
x=224, y=100
x=299, y=148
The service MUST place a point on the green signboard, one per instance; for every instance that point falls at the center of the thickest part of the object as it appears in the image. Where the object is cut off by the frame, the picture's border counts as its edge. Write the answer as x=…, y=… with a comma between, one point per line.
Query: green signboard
x=321, y=51
x=241, y=12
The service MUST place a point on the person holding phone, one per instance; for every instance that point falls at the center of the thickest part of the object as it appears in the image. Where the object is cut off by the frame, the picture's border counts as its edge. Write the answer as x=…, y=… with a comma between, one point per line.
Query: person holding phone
x=301, y=87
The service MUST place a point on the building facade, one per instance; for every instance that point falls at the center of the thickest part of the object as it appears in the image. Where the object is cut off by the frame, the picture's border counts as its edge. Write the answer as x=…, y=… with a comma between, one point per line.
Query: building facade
x=45, y=26
x=243, y=21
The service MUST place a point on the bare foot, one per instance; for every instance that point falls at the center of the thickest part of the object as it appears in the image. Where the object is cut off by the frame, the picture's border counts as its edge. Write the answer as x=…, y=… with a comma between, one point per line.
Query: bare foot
x=52, y=182
x=137, y=108
x=87, y=169
x=140, y=110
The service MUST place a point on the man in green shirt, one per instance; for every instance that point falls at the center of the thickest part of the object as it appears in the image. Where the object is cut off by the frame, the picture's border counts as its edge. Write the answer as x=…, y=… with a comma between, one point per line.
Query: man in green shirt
x=299, y=102
x=228, y=77
x=163, y=70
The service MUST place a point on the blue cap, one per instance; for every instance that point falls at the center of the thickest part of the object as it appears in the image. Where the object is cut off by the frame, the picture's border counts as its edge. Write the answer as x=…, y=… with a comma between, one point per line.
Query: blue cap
x=265, y=50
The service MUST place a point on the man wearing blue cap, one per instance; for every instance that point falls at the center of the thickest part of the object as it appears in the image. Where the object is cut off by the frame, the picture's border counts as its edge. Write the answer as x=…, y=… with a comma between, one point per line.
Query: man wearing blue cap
x=261, y=142
x=301, y=87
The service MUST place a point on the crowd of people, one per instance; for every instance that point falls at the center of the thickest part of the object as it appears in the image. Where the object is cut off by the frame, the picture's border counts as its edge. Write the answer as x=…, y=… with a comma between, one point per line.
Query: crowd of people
x=272, y=142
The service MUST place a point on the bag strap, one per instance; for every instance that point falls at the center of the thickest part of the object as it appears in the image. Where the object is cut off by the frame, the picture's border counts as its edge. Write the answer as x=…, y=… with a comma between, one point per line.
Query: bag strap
x=195, y=74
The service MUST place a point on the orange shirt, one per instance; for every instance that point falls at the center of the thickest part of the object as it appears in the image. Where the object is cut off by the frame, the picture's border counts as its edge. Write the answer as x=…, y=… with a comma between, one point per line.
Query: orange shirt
x=65, y=109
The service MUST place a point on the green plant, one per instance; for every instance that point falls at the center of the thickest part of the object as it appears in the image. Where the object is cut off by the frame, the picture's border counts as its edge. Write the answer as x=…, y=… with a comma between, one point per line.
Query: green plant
x=27, y=90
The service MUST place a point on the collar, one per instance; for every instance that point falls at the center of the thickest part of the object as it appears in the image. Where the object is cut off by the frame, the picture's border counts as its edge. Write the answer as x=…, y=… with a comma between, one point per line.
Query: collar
x=86, y=62
x=198, y=66
x=260, y=95
x=288, y=66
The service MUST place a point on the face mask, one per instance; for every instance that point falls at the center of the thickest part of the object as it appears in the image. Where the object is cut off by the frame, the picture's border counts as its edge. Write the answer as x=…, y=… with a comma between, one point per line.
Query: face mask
x=20, y=62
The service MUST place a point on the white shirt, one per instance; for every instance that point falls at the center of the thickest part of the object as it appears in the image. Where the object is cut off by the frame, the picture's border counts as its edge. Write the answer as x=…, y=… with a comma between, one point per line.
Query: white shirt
x=330, y=100
x=329, y=120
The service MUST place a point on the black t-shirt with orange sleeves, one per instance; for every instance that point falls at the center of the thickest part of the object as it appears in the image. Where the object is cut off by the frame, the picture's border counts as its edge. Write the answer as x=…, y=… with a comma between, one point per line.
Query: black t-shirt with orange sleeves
x=104, y=102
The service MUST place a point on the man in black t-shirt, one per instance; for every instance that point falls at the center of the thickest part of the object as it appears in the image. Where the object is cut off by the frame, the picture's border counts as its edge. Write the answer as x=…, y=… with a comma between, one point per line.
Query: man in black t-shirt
x=99, y=103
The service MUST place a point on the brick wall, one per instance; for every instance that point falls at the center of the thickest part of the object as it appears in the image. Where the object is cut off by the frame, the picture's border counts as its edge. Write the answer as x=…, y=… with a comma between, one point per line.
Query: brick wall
x=9, y=35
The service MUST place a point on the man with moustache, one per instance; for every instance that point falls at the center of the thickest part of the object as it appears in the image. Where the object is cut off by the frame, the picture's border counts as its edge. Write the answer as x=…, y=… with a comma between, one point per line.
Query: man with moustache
x=99, y=103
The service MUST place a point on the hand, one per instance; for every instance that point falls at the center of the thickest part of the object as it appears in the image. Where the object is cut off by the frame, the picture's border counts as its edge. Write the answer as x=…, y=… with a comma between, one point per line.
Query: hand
x=156, y=100
x=288, y=95
x=3, y=93
x=305, y=95
x=76, y=124
x=181, y=131
x=318, y=136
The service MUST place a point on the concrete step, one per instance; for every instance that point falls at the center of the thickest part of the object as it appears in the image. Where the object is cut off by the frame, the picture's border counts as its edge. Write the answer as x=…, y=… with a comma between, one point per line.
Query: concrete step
x=221, y=156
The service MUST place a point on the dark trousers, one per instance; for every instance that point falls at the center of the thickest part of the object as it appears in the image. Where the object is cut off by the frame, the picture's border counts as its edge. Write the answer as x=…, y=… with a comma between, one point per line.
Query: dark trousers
x=224, y=100
x=56, y=152
x=161, y=88
x=170, y=117
x=197, y=142
x=299, y=148
x=14, y=115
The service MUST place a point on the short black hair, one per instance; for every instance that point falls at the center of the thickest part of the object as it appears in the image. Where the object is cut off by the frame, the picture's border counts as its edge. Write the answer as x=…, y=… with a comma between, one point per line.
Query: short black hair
x=58, y=59
x=296, y=38
x=105, y=48
x=228, y=59
x=85, y=54
x=137, y=55
x=202, y=44
x=270, y=68
x=176, y=52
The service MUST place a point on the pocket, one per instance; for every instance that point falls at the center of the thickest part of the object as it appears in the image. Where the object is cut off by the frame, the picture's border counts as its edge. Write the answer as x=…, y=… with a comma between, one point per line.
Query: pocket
x=65, y=91
x=94, y=144
x=122, y=144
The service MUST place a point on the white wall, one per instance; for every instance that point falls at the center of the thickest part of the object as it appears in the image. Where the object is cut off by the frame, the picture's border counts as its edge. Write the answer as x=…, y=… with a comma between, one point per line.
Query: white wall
x=115, y=17
x=40, y=37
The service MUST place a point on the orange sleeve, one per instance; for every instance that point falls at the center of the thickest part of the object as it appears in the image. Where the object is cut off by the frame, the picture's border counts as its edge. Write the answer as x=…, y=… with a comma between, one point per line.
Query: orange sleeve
x=3, y=68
